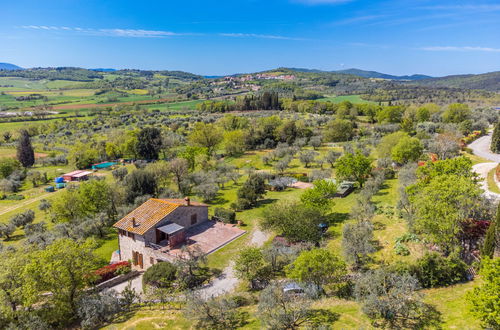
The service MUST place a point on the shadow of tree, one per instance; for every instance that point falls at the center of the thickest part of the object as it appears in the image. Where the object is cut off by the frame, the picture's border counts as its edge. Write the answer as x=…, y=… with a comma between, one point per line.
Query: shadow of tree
x=323, y=317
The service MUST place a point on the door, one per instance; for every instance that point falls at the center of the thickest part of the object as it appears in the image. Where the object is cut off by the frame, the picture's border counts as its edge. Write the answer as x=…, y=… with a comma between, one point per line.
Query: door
x=140, y=261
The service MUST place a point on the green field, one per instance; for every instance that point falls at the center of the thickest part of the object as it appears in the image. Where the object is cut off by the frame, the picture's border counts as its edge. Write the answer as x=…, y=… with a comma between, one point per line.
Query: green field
x=351, y=98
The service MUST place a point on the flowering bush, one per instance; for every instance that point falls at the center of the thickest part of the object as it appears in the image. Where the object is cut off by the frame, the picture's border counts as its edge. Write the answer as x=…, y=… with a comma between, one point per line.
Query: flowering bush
x=108, y=272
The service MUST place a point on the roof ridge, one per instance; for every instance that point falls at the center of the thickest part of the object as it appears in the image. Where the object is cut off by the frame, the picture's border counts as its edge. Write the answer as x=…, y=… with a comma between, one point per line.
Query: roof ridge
x=164, y=201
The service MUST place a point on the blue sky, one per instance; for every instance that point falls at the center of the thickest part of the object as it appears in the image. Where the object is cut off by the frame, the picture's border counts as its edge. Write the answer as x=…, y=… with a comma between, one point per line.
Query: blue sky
x=221, y=37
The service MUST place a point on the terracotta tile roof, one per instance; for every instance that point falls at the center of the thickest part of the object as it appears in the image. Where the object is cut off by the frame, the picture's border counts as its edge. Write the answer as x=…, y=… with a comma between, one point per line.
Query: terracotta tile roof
x=146, y=216
x=182, y=202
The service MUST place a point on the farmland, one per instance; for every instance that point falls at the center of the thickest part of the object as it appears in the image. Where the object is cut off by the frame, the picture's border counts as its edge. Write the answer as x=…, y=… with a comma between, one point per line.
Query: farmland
x=237, y=144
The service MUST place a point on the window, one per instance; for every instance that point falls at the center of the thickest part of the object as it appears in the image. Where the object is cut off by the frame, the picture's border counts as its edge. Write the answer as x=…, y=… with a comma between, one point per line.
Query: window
x=131, y=235
x=194, y=218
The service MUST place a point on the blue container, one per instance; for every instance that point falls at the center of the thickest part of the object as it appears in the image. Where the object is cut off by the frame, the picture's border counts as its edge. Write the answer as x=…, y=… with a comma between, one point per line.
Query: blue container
x=60, y=185
x=50, y=189
x=59, y=179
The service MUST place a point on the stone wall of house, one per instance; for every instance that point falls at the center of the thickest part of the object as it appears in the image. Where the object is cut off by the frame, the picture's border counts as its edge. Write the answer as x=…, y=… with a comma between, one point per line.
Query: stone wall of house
x=181, y=216
x=150, y=256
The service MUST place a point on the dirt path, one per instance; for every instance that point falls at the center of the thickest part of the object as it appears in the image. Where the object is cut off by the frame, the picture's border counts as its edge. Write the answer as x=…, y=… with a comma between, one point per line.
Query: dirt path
x=23, y=204
x=483, y=169
x=227, y=281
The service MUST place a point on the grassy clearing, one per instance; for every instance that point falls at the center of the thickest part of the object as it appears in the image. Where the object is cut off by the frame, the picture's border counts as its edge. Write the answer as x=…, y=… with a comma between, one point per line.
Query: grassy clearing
x=350, y=98
x=492, y=185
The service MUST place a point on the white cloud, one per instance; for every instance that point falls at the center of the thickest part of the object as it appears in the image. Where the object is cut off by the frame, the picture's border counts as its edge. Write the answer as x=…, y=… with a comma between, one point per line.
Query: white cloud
x=460, y=49
x=477, y=7
x=140, y=33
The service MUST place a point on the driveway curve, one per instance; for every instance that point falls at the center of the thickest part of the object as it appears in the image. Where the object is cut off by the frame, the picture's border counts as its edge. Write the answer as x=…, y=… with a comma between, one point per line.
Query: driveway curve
x=483, y=169
x=481, y=148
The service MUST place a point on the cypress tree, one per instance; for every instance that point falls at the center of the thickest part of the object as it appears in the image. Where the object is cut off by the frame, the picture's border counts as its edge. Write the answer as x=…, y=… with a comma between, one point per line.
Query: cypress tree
x=495, y=139
x=490, y=239
x=25, y=153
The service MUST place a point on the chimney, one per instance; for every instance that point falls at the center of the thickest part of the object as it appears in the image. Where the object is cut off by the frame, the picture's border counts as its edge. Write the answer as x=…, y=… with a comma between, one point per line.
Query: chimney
x=188, y=201
x=133, y=223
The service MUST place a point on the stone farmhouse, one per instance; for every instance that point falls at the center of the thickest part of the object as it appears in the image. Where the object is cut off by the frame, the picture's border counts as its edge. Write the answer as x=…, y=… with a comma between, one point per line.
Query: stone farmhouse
x=148, y=233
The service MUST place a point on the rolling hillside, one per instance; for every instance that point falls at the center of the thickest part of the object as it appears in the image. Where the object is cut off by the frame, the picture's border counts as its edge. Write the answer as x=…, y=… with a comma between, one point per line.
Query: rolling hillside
x=486, y=81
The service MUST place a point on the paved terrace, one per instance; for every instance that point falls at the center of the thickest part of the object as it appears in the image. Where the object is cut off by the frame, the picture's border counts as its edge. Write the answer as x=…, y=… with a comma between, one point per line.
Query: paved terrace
x=210, y=236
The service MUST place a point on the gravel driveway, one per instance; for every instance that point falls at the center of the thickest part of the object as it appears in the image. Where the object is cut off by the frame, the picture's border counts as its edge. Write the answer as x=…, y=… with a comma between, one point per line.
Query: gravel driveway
x=481, y=147
x=483, y=169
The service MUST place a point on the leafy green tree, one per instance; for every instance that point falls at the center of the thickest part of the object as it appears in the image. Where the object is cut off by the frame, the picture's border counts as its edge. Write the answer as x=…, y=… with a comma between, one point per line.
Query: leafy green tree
x=392, y=299
x=456, y=113
x=307, y=157
x=253, y=189
x=318, y=266
x=234, y=142
x=441, y=206
x=218, y=313
x=332, y=156
x=406, y=150
x=495, y=139
x=206, y=136
x=295, y=221
x=353, y=167
x=11, y=282
x=149, y=143
x=96, y=309
x=139, y=183
x=492, y=237
x=388, y=142
x=6, y=230
x=25, y=153
x=160, y=275
x=320, y=195
x=8, y=166
x=250, y=266
x=83, y=156
x=281, y=311
x=64, y=268
x=390, y=114
x=339, y=130
x=485, y=304
x=357, y=242
x=22, y=219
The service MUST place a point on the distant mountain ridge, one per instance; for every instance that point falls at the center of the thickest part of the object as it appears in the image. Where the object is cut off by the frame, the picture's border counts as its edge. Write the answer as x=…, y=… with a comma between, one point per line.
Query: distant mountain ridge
x=487, y=81
x=367, y=74
x=9, y=66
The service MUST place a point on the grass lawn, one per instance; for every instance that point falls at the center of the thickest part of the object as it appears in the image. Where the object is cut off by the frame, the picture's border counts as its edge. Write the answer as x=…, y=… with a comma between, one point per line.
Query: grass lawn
x=350, y=98
x=492, y=185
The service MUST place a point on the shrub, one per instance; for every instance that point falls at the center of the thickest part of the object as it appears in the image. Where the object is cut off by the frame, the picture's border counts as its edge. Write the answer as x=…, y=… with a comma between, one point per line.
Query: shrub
x=225, y=215
x=108, y=272
x=160, y=275
x=434, y=270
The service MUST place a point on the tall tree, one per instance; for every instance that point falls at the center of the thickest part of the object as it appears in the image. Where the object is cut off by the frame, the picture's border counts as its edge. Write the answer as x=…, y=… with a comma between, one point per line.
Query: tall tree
x=484, y=299
x=206, y=136
x=25, y=153
x=64, y=269
x=495, y=139
x=353, y=166
x=149, y=143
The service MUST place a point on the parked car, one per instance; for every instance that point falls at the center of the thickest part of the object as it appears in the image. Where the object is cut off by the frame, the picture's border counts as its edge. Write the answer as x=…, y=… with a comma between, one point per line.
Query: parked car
x=345, y=189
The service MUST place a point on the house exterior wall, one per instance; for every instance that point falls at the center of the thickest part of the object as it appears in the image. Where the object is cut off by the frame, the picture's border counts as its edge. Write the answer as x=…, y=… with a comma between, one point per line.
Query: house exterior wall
x=180, y=216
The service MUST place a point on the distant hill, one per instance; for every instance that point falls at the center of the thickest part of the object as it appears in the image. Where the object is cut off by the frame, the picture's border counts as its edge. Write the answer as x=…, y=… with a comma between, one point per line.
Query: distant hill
x=486, y=81
x=8, y=66
x=365, y=74
x=375, y=74
x=103, y=70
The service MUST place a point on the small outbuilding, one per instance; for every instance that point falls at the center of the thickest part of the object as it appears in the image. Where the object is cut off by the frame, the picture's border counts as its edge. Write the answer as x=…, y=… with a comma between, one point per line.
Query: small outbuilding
x=78, y=175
